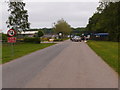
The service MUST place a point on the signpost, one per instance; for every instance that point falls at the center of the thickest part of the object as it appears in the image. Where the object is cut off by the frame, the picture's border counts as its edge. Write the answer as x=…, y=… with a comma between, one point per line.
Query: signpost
x=11, y=39
x=11, y=33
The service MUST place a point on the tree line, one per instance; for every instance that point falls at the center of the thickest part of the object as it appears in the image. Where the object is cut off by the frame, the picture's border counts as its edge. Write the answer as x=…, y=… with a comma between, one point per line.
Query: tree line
x=106, y=20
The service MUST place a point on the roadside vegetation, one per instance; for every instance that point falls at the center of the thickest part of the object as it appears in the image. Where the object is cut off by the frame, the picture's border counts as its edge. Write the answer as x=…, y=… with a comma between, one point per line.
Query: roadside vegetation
x=61, y=26
x=20, y=49
x=108, y=51
x=106, y=20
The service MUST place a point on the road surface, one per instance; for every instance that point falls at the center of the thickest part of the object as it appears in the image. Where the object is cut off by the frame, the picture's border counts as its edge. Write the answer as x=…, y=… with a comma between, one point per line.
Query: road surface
x=64, y=65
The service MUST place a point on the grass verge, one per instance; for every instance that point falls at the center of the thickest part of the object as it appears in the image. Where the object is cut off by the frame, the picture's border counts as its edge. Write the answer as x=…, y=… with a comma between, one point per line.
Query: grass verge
x=20, y=50
x=108, y=51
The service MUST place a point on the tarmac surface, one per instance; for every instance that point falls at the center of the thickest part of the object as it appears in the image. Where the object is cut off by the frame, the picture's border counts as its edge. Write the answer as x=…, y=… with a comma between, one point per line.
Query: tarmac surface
x=64, y=65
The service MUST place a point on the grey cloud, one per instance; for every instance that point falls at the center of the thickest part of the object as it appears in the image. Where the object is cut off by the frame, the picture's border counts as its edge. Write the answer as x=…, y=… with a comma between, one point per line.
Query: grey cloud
x=50, y=12
x=44, y=14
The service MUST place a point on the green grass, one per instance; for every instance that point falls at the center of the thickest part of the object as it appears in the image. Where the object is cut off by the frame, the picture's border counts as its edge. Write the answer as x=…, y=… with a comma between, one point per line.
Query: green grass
x=108, y=51
x=65, y=39
x=20, y=50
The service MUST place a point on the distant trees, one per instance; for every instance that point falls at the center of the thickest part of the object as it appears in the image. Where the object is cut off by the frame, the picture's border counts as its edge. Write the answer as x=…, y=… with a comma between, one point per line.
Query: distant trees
x=78, y=31
x=106, y=20
x=62, y=27
x=18, y=18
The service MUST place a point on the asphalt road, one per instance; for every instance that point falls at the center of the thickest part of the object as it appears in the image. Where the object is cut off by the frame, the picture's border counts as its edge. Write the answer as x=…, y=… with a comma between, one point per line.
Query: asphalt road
x=65, y=65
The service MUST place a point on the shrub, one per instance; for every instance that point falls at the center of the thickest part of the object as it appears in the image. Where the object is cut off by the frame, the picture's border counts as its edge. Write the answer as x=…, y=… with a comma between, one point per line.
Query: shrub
x=40, y=33
x=4, y=37
x=58, y=39
x=44, y=39
x=32, y=40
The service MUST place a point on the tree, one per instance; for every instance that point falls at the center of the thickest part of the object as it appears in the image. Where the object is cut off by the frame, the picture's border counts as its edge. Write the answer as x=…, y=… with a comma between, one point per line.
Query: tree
x=62, y=27
x=40, y=33
x=102, y=6
x=106, y=20
x=18, y=18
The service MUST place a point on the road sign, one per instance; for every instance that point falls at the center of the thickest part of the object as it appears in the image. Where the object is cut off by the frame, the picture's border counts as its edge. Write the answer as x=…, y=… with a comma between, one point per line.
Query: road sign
x=11, y=33
x=11, y=39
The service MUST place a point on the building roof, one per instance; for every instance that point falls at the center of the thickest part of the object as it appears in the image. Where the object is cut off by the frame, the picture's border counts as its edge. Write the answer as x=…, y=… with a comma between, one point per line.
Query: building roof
x=101, y=34
x=29, y=32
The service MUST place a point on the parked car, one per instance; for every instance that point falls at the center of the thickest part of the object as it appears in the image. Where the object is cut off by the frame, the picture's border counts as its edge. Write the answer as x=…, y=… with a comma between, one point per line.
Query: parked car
x=76, y=39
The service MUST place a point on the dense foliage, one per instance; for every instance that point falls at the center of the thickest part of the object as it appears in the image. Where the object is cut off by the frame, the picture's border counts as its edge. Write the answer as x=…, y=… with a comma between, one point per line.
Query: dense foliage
x=18, y=18
x=40, y=33
x=106, y=19
x=4, y=37
x=32, y=40
x=62, y=27
x=78, y=31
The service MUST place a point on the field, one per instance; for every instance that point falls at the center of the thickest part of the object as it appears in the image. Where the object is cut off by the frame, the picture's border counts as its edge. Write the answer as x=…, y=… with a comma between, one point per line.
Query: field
x=108, y=51
x=10, y=52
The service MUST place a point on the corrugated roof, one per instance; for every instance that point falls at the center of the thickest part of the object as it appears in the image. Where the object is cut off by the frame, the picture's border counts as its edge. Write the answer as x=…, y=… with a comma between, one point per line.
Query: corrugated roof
x=101, y=34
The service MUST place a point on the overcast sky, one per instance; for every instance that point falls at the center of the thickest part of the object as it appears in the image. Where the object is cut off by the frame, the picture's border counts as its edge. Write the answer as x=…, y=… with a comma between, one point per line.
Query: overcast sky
x=44, y=14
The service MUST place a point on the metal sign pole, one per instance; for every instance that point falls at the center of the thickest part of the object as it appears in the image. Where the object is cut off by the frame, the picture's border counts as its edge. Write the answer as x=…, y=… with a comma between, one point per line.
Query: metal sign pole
x=11, y=39
x=12, y=49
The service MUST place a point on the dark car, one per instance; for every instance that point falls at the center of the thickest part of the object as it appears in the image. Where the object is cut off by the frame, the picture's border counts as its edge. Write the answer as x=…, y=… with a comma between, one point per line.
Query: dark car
x=76, y=39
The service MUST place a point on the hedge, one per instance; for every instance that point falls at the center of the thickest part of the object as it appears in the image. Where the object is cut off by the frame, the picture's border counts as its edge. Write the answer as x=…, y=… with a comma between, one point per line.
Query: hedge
x=32, y=40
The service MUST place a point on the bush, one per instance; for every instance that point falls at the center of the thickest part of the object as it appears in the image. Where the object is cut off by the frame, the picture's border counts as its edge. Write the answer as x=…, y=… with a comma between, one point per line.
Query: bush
x=4, y=37
x=44, y=39
x=32, y=40
x=58, y=39
x=40, y=33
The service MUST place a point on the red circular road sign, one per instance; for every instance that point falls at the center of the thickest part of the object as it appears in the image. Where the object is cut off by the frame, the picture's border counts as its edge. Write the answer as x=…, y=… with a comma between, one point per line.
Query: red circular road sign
x=11, y=33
